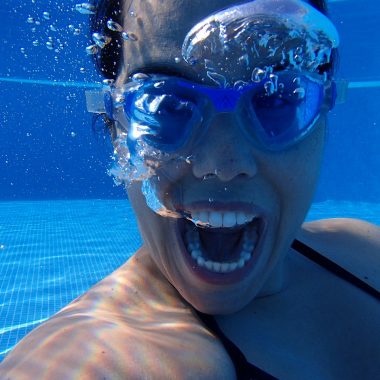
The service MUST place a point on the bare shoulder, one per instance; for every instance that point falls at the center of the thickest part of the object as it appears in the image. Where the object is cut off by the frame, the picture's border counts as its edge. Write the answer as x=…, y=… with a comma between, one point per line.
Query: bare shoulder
x=352, y=243
x=131, y=324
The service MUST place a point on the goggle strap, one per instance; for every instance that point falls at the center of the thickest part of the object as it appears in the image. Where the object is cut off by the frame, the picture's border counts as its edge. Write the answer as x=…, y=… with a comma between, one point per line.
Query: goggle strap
x=95, y=101
x=341, y=90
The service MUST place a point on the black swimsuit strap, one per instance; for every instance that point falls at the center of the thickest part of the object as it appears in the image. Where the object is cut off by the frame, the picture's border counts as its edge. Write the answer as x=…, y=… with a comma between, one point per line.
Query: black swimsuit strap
x=332, y=267
x=243, y=368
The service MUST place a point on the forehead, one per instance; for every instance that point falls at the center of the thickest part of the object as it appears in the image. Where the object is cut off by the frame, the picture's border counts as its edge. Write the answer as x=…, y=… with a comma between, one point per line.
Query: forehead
x=161, y=27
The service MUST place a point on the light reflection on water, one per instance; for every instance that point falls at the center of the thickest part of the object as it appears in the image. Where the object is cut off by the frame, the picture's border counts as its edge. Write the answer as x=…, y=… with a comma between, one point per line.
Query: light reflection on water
x=55, y=250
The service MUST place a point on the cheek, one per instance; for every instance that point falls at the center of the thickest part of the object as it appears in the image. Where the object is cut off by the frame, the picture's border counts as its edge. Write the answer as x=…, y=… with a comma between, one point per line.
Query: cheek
x=294, y=174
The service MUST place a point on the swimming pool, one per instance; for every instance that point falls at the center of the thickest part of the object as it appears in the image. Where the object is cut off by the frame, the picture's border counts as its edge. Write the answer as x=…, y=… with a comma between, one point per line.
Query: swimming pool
x=63, y=224
x=53, y=251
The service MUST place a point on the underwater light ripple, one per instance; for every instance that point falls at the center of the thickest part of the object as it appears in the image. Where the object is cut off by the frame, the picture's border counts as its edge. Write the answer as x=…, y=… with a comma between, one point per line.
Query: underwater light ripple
x=44, y=82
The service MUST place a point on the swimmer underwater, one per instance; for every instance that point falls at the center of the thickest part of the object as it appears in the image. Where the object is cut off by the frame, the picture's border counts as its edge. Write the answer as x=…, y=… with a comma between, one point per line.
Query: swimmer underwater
x=218, y=113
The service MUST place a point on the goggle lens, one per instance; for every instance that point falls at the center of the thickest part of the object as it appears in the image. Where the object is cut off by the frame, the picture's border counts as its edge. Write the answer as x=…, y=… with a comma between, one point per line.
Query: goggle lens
x=160, y=116
x=289, y=112
x=282, y=108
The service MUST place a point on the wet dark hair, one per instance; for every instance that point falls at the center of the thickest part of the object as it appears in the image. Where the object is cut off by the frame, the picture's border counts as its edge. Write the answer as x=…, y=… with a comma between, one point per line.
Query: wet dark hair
x=108, y=60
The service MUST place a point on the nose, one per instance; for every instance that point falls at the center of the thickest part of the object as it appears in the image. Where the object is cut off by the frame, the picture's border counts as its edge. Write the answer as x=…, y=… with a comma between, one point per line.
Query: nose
x=224, y=151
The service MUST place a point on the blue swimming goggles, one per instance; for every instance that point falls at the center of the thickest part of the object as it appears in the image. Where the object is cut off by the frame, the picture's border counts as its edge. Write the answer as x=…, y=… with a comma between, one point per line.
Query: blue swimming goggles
x=166, y=112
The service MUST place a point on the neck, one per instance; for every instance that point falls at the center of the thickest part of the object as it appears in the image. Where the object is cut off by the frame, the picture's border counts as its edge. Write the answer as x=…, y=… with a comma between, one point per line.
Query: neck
x=276, y=281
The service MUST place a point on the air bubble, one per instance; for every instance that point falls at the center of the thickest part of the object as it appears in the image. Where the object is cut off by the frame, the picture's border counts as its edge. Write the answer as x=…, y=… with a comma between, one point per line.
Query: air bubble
x=274, y=79
x=77, y=32
x=72, y=134
x=269, y=88
x=257, y=75
x=71, y=28
x=139, y=77
x=91, y=50
x=193, y=61
x=30, y=20
x=217, y=78
x=22, y=50
x=177, y=60
x=38, y=22
x=159, y=84
x=52, y=28
x=209, y=64
x=108, y=82
x=36, y=43
x=129, y=36
x=297, y=81
x=85, y=8
x=239, y=85
x=101, y=40
x=46, y=15
x=82, y=70
x=119, y=99
x=299, y=92
x=244, y=59
x=50, y=45
x=114, y=26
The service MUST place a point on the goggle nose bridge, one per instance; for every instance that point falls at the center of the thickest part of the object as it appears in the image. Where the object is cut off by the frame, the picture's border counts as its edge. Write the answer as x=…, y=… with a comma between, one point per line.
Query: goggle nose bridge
x=223, y=100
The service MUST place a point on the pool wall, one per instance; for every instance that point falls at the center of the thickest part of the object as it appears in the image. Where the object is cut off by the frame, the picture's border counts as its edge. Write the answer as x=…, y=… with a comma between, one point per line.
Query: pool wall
x=48, y=149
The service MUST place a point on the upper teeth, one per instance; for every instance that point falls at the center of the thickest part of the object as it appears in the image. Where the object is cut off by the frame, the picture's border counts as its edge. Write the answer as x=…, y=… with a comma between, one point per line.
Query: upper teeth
x=221, y=219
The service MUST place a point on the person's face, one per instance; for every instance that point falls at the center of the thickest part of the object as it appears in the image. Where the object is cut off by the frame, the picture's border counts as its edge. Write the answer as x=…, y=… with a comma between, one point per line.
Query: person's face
x=227, y=175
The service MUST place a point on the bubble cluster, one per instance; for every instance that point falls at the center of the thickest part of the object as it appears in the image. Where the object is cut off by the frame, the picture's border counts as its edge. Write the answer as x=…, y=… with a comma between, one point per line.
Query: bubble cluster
x=101, y=40
x=49, y=32
x=245, y=37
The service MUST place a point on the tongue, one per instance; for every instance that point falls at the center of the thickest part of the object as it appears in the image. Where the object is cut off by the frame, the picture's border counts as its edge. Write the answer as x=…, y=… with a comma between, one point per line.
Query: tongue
x=220, y=244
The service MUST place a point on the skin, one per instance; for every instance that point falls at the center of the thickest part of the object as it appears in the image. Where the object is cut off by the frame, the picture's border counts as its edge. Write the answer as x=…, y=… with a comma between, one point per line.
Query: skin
x=282, y=184
x=288, y=316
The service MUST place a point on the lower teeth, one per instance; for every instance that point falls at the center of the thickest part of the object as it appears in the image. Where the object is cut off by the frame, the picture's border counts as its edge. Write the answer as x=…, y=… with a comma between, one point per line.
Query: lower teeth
x=195, y=248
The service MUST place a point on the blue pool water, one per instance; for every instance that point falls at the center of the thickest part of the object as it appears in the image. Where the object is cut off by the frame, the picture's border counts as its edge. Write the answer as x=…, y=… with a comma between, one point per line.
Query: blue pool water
x=64, y=225
x=53, y=251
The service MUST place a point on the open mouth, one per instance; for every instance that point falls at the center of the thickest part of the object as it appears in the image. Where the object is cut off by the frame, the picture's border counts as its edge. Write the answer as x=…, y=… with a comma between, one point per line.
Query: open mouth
x=222, y=243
